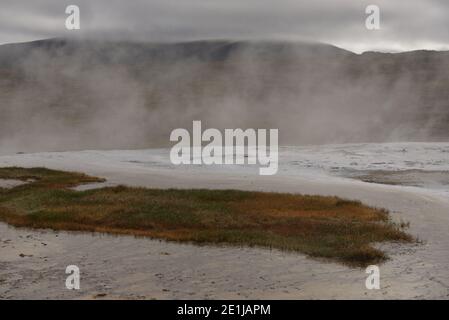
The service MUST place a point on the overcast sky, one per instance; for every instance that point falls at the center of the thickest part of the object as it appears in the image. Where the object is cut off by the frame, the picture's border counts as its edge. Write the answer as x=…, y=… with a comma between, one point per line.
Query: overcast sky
x=405, y=24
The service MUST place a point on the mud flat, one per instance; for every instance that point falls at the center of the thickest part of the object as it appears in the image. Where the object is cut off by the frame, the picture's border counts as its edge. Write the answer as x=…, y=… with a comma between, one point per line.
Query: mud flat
x=413, y=178
x=33, y=262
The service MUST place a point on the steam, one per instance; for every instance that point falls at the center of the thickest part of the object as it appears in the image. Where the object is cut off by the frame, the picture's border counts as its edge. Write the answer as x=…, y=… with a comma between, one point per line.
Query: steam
x=98, y=95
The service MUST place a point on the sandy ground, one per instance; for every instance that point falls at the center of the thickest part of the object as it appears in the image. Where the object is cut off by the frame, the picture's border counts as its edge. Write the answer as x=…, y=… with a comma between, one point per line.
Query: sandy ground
x=32, y=263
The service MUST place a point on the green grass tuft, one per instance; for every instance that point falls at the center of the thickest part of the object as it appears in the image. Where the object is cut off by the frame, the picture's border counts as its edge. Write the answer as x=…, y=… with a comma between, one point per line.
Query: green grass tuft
x=325, y=227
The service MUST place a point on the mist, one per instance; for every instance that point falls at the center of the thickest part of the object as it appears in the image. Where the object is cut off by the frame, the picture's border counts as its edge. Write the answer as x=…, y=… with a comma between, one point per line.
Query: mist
x=85, y=94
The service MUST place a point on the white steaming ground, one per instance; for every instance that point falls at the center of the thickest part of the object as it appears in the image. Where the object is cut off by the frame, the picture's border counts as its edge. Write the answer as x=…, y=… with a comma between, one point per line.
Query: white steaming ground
x=324, y=163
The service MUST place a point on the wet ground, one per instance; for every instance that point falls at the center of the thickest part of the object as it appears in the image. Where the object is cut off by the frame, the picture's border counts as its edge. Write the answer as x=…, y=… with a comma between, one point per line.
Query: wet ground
x=33, y=262
x=434, y=180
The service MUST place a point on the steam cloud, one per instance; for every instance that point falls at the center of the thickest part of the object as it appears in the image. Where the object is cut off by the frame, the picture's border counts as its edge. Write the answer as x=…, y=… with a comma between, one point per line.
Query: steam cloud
x=66, y=95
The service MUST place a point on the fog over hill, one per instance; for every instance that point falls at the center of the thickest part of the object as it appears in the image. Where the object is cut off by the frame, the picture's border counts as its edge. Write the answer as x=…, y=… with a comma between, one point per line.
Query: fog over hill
x=60, y=94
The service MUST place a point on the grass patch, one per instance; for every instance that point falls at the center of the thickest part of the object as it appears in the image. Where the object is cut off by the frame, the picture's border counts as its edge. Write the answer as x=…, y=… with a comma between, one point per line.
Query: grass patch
x=327, y=227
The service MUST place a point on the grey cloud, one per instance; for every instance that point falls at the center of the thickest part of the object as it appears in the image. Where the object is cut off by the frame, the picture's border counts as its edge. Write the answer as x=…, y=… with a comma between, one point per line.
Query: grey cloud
x=406, y=25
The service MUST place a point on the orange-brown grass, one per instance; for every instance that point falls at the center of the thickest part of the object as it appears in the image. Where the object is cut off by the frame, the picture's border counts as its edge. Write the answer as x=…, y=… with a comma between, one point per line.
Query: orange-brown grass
x=326, y=227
